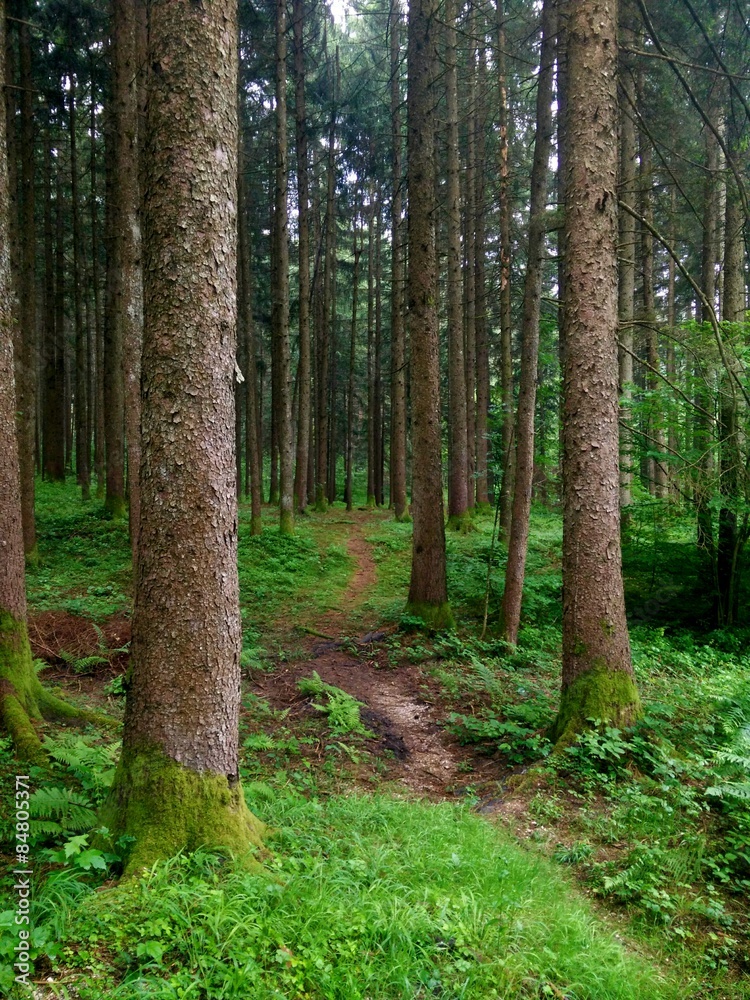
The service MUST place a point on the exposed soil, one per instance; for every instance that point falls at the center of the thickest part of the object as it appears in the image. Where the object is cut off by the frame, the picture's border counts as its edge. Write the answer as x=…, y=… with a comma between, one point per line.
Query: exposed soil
x=420, y=753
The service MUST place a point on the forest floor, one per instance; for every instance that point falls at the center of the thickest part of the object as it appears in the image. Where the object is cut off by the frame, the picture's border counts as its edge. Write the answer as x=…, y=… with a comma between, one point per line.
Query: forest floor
x=347, y=701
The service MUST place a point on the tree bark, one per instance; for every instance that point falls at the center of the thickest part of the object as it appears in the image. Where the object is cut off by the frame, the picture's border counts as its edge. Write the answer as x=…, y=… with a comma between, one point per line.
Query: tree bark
x=597, y=679
x=458, y=477
x=83, y=442
x=303, y=197
x=480, y=290
x=283, y=411
x=53, y=430
x=532, y=297
x=356, y=252
x=428, y=589
x=398, y=330
x=177, y=783
x=27, y=336
x=506, y=345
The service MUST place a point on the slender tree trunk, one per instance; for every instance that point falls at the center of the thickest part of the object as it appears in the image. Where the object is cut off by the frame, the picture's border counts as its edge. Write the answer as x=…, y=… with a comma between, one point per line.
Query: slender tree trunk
x=470, y=219
x=253, y=439
x=398, y=329
x=114, y=389
x=53, y=432
x=730, y=539
x=100, y=454
x=130, y=284
x=532, y=297
x=458, y=477
x=177, y=783
x=83, y=443
x=303, y=195
x=628, y=188
x=27, y=383
x=428, y=590
x=283, y=412
x=371, y=352
x=480, y=290
x=378, y=356
x=597, y=677
x=702, y=432
x=506, y=347
x=356, y=252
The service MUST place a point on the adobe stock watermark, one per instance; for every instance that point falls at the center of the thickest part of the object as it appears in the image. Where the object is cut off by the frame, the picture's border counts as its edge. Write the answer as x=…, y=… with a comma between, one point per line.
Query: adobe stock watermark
x=23, y=871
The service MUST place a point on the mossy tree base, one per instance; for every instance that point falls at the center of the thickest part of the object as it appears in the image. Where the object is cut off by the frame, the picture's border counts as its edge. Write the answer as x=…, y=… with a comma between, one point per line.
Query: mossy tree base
x=404, y=518
x=169, y=808
x=461, y=522
x=436, y=616
x=286, y=522
x=608, y=695
x=23, y=700
x=116, y=507
x=32, y=557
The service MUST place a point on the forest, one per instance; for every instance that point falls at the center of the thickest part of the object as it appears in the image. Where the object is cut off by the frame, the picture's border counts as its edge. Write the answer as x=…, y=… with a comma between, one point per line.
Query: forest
x=374, y=500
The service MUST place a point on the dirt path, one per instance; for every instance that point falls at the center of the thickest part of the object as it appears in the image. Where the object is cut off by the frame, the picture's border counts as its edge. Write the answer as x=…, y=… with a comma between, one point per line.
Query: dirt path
x=422, y=755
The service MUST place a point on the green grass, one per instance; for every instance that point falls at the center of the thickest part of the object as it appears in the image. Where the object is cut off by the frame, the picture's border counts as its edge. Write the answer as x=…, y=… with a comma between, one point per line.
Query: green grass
x=365, y=897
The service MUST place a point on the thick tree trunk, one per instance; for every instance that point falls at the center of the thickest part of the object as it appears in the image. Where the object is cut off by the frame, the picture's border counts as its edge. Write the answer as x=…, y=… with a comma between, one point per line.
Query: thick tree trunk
x=458, y=478
x=470, y=308
x=398, y=330
x=177, y=784
x=303, y=196
x=428, y=590
x=597, y=677
x=532, y=297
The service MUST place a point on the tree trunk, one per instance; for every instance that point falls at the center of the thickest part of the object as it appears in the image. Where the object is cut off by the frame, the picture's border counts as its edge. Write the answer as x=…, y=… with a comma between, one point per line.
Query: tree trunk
x=628, y=188
x=506, y=346
x=480, y=290
x=303, y=197
x=253, y=441
x=458, y=477
x=597, y=679
x=470, y=330
x=356, y=252
x=100, y=453
x=532, y=297
x=371, y=351
x=428, y=589
x=53, y=430
x=23, y=700
x=27, y=335
x=177, y=783
x=83, y=443
x=378, y=356
x=398, y=330
x=730, y=538
x=283, y=411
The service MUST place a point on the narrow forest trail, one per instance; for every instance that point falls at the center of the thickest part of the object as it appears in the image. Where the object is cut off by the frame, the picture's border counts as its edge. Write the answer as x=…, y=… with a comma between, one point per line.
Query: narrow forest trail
x=348, y=652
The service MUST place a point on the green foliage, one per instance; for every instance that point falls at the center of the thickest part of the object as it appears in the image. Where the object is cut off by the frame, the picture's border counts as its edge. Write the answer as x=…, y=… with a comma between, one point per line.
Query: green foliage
x=365, y=897
x=341, y=709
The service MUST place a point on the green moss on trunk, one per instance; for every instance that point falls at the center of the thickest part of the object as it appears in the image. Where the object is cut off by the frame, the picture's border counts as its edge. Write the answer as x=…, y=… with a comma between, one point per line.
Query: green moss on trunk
x=286, y=523
x=608, y=695
x=436, y=616
x=116, y=507
x=461, y=522
x=169, y=808
x=23, y=700
x=404, y=518
x=371, y=502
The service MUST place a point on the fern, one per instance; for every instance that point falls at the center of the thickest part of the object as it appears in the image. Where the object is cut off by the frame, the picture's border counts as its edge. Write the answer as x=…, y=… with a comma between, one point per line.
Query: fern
x=340, y=707
x=93, y=766
x=59, y=810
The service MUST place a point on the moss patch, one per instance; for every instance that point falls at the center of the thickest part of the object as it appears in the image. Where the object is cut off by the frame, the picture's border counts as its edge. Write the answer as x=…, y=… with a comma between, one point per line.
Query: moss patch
x=461, y=522
x=22, y=697
x=169, y=808
x=436, y=616
x=608, y=695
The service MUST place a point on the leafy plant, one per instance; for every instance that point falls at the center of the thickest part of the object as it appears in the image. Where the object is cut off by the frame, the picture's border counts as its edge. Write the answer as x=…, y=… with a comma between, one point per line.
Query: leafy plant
x=340, y=707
